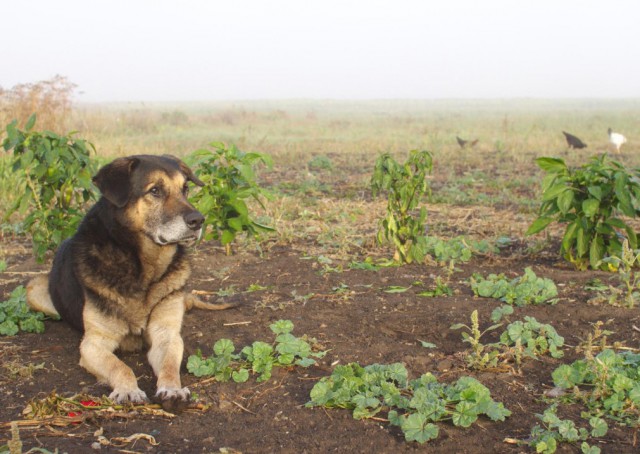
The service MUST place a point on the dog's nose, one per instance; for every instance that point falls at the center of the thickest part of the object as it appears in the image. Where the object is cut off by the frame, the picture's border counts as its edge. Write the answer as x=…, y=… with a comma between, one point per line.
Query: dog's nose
x=194, y=220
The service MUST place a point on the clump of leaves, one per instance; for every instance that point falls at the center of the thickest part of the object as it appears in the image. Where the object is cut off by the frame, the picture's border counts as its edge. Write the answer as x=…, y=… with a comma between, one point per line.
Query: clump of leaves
x=546, y=437
x=259, y=358
x=608, y=384
x=414, y=406
x=589, y=200
x=459, y=249
x=229, y=179
x=15, y=315
x=405, y=184
x=533, y=338
x=54, y=174
x=319, y=162
x=522, y=290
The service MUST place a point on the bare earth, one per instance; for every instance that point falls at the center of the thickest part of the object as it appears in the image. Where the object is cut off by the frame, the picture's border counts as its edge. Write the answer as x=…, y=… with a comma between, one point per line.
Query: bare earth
x=361, y=324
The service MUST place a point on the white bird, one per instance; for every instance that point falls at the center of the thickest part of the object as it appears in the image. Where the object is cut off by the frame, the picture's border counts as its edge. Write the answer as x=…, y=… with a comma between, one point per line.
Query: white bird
x=616, y=139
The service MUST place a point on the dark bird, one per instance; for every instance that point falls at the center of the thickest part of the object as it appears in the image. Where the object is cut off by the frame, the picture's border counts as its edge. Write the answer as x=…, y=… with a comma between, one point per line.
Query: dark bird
x=573, y=141
x=463, y=143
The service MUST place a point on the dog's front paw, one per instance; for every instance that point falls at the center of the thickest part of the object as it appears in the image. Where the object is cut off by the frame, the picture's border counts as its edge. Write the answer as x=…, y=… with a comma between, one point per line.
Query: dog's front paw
x=136, y=396
x=173, y=400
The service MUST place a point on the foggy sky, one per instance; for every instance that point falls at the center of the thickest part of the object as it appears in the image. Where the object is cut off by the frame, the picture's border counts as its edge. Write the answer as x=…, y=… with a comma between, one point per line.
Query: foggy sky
x=189, y=50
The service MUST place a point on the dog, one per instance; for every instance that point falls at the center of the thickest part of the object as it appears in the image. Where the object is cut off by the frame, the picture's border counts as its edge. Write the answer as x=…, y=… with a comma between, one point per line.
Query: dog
x=120, y=279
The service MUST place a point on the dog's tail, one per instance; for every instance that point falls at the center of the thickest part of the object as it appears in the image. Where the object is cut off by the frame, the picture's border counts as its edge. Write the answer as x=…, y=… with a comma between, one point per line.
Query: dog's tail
x=38, y=298
x=191, y=301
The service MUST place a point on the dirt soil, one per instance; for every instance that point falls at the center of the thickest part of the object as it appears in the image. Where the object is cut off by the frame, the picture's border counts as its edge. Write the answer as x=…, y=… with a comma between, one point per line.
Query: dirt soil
x=362, y=324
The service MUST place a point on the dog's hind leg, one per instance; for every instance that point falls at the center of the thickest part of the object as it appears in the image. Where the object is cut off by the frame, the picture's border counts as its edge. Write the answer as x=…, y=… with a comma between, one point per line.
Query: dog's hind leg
x=165, y=351
x=101, y=339
x=38, y=297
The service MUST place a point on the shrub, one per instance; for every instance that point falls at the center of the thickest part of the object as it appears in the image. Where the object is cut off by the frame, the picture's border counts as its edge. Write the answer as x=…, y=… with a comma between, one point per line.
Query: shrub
x=229, y=180
x=54, y=176
x=589, y=200
x=405, y=185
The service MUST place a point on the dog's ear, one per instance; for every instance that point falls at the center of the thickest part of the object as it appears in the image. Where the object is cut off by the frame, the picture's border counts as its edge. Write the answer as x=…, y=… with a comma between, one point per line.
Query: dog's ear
x=186, y=170
x=114, y=180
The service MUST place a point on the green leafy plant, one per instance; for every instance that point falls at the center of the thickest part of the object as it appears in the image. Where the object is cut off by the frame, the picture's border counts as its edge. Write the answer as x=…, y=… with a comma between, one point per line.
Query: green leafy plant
x=54, y=174
x=528, y=338
x=629, y=279
x=414, y=406
x=481, y=356
x=319, y=162
x=533, y=338
x=589, y=200
x=15, y=315
x=546, y=437
x=608, y=384
x=229, y=180
x=459, y=249
x=405, y=185
x=522, y=290
x=259, y=358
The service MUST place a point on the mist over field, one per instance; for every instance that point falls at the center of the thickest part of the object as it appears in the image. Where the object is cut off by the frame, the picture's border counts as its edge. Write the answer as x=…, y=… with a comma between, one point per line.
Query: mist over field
x=198, y=50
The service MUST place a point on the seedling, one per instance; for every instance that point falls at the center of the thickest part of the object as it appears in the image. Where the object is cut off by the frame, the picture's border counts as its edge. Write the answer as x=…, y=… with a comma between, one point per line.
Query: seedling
x=414, y=406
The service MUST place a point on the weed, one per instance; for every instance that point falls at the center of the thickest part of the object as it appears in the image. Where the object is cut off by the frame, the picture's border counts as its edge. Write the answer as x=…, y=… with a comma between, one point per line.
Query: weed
x=522, y=290
x=608, y=384
x=414, y=406
x=630, y=280
x=15, y=316
x=546, y=437
x=532, y=338
x=482, y=356
x=319, y=162
x=458, y=249
x=260, y=358
x=520, y=339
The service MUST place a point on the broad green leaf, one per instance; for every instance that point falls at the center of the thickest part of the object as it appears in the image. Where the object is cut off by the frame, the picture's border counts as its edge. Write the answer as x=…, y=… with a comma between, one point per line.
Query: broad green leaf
x=553, y=165
x=554, y=191
x=590, y=207
x=538, y=225
x=565, y=201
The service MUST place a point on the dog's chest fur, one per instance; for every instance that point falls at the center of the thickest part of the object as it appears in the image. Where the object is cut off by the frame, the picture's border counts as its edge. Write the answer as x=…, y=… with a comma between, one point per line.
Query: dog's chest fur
x=129, y=283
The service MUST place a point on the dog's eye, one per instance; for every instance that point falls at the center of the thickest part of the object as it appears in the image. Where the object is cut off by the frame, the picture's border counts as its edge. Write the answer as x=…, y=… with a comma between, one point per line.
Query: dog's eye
x=155, y=191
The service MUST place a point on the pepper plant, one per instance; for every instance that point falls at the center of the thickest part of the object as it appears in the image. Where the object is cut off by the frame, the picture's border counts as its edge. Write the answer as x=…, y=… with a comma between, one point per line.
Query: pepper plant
x=405, y=185
x=229, y=180
x=589, y=200
x=54, y=174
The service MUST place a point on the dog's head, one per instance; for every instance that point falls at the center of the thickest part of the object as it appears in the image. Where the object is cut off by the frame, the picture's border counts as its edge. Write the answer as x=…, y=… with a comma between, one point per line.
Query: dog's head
x=150, y=196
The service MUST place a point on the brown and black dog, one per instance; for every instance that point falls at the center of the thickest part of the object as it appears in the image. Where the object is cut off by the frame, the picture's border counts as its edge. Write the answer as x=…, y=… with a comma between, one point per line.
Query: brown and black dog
x=120, y=279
